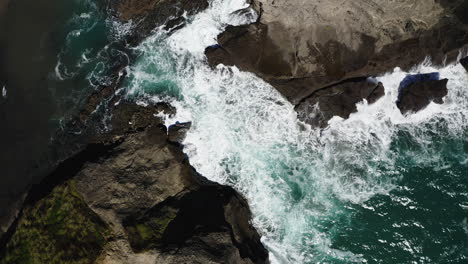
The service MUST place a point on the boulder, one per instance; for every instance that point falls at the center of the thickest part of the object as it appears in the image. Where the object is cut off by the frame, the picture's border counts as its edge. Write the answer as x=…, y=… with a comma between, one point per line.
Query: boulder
x=178, y=131
x=338, y=100
x=302, y=46
x=464, y=63
x=417, y=91
x=417, y=78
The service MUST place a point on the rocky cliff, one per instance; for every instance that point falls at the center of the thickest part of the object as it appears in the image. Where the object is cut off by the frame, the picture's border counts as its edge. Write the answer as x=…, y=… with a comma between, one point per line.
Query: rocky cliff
x=131, y=196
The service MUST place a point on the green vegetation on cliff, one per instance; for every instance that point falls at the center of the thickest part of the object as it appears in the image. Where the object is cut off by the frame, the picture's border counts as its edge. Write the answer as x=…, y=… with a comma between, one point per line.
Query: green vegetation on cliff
x=60, y=228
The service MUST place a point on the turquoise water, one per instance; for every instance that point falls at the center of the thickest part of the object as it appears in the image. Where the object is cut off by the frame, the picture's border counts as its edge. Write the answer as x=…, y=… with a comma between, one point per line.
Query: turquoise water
x=379, y=187
x=92, y=44
x=424, y=218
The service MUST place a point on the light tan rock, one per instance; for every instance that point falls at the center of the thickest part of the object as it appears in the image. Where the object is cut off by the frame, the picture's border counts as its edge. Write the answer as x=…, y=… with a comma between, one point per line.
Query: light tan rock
x=300, y=46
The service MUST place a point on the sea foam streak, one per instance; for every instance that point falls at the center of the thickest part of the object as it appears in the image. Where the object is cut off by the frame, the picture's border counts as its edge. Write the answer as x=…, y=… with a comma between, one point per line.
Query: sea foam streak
x=245, y=134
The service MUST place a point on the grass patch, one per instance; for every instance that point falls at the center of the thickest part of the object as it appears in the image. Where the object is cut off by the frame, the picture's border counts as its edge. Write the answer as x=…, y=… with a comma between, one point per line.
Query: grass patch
x=147, y=232
x=59, y=228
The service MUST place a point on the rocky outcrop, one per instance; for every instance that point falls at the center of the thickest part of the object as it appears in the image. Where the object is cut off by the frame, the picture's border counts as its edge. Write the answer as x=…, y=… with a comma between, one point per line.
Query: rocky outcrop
x=418, y=91
x=35, y=156
x=146, y=15
x=178, y=131
x=133, y=197
x=302, y=46
x=338, y=100
x=205, y=225
x=464, y=63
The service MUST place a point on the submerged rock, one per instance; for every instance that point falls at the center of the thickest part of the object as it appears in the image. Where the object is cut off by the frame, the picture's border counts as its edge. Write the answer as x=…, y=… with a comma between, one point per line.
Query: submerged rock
x=464, y=63
x=134, y=198
x=301, y=46
x=338, y=100
x=417, y=91
x=146, y=15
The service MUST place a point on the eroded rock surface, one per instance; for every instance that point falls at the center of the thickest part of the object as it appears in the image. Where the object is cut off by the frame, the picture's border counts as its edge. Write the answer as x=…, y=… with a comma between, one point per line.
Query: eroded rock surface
x=338, y=100
x=133, y=197
x=416, y=92
x=178, y=131
x=301, y=46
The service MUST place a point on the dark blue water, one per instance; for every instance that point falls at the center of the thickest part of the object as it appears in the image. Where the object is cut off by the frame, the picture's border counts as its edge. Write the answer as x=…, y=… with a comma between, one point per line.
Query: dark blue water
x=53, y=54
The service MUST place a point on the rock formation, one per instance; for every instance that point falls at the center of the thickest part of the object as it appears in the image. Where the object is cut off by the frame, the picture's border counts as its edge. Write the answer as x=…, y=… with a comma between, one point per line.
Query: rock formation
x=338, y=100
x=178, y=131
x=464, y=63
x=149, y=14
x=417, y=91
x=132, y=197
x=302, y=46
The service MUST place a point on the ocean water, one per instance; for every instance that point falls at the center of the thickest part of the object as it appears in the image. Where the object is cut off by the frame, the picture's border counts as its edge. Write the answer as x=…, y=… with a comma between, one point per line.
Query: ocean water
x=53, y=54
x=379, y=187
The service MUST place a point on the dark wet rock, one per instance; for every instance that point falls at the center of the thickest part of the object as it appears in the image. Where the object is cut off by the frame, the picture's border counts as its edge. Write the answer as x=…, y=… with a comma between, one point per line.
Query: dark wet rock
x=338, y=100
x=153, y=207
x=417, y=91
x=464, y=63
x=460, y=10
x=146, y=15
x=178, y=131
x=129, y=117
x=417, y=78
x=301, y=46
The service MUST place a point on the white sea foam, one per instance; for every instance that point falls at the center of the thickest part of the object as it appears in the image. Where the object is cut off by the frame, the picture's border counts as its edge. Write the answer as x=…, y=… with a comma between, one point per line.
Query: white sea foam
x=205, y=27
x=57, y=70
x=85, y=15
x=247, y=135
